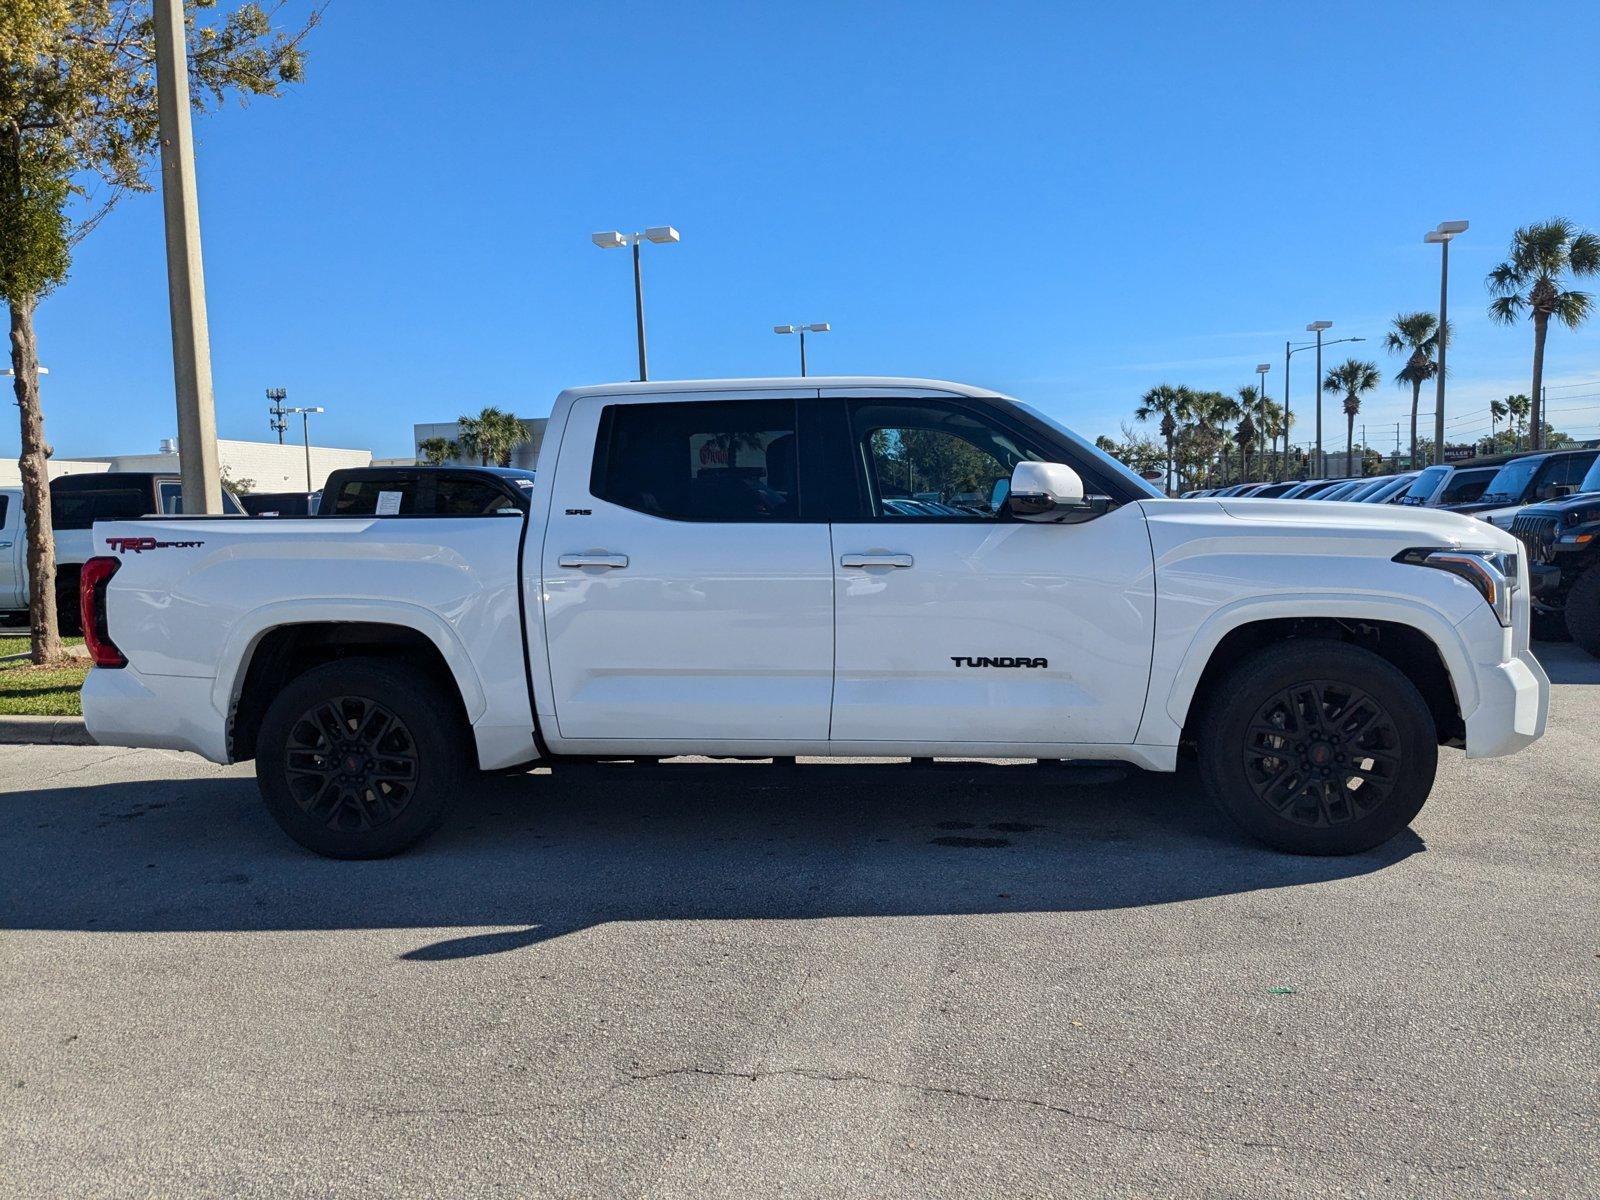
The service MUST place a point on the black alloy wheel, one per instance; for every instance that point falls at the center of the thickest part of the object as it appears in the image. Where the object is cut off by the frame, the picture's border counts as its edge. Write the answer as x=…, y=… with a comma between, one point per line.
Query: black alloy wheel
x=351, y=763
x=1322, y=753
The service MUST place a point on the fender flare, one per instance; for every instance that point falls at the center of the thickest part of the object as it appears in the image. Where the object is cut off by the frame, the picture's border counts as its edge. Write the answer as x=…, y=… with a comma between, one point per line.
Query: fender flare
x=245, y=636
x=1433, y=624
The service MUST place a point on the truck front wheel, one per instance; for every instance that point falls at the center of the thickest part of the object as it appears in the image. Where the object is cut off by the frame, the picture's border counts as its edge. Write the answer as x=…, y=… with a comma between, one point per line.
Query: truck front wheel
x=1318, y=747
x=356, y=759
x=1583, y=610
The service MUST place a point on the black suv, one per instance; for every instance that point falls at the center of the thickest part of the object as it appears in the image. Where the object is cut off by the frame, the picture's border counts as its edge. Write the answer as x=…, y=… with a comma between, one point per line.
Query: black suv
x=1563, y=543
x=1532, y=478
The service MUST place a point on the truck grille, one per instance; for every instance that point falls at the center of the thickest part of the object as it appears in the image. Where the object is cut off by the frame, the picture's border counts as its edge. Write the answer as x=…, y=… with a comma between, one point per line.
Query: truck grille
x=1538, y=534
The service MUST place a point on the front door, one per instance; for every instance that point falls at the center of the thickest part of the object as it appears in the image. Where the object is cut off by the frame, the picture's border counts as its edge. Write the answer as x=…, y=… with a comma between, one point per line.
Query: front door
x=12, y=591
x=957, y=623
x=688, y=594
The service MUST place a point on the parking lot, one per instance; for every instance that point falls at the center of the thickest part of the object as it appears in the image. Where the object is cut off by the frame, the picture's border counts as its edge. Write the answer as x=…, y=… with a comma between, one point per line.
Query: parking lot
x=824, y=979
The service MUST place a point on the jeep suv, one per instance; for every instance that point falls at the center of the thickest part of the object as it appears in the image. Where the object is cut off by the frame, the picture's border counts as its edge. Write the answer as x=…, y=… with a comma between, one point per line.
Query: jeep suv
x=1563, y=541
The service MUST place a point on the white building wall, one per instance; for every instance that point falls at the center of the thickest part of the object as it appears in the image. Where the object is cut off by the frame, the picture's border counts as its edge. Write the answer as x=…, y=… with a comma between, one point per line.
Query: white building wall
x=269, y=466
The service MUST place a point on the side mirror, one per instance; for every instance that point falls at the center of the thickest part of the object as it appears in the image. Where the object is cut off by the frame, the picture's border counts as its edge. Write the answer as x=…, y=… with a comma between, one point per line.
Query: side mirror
x=1051, y=492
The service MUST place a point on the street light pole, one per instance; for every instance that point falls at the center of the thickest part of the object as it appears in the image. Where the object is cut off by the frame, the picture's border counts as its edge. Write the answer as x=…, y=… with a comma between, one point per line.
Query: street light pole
x=816, y=327
x=1286, y=353
x=305, y=433
x=1261, y=390
x=1445, y=231
x=614, y=239
x=1317, y=327
x=186, y=285
x=1289, y=350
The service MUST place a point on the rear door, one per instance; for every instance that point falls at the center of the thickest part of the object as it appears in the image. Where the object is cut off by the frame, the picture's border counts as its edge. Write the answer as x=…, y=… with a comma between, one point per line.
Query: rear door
x=12, y=592
x=978, y=627
x=688, y=590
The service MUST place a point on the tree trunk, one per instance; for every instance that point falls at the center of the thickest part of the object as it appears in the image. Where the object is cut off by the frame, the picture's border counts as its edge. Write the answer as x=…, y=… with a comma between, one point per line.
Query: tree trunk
x=1416, y=398
x=1541, y=327
x=1350, y=444
x=32, y=463
x=1170, y=479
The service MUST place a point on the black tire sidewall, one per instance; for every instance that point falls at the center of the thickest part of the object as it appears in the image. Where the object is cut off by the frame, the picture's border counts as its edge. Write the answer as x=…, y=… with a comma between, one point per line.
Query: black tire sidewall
x=417, y=702
x=1269, y=671
x=1583, y=610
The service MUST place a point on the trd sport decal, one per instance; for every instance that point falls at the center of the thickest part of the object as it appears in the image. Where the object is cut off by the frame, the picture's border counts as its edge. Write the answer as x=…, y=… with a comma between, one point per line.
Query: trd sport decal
x=964, y=661
x=140, y=544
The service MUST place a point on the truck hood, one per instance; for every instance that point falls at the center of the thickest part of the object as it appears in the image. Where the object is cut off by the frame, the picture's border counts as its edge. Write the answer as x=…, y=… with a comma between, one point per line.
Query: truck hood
x=1386, y=528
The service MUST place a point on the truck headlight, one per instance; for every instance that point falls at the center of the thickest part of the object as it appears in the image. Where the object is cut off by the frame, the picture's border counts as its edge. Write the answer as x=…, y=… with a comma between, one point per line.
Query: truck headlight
x=1492, y=572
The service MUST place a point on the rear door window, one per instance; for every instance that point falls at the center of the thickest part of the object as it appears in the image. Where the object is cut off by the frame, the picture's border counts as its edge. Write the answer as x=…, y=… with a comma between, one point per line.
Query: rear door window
x=719, y=460
x=363, y=497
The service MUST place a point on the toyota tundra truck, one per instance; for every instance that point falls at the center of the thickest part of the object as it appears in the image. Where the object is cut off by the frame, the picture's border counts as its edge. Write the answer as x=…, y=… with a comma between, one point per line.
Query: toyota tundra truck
x=741, y=569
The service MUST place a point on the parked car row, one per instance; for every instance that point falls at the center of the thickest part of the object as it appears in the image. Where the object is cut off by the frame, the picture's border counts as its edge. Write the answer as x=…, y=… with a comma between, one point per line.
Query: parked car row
x=1549, y=501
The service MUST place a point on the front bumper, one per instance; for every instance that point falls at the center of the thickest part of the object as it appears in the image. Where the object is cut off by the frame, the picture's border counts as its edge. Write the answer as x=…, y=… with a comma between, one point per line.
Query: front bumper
x=1513, y=704
x=1543, y=579
x=122, y=707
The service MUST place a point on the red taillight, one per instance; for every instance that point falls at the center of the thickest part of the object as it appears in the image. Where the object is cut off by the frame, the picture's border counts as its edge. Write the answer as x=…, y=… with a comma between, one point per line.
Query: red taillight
x=96, y=573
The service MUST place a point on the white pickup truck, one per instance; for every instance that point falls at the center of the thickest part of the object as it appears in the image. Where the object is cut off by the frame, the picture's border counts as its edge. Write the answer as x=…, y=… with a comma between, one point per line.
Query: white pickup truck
x=755, y=568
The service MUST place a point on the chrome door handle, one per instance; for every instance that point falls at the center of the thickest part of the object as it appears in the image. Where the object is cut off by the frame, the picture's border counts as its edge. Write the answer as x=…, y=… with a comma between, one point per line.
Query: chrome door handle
x=876, y=560
x=594, y=558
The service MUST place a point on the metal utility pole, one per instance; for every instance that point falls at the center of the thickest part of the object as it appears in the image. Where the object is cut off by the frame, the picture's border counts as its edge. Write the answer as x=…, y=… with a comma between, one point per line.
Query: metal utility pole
x=186, y=286
x=1442, y=235
x=1287, y=351
x=816, y=327
x=276, y=408
x=614, y=240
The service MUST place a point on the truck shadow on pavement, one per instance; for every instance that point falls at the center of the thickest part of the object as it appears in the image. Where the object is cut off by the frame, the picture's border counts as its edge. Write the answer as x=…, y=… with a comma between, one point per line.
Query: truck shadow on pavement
x=544, y=855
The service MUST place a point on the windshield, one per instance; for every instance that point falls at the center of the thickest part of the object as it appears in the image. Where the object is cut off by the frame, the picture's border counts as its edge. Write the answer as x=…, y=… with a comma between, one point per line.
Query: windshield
x=1591, y=478
x=1511, y=480
x=1426, y=483
x=1101, y=459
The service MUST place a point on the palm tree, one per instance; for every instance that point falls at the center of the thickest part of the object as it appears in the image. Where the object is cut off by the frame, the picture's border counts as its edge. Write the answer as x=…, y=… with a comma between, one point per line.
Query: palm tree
x=1497, y=413
x=436, y=451
x=1417, y=336
x=1172, y=405
x=1216, y=411
x=1532, y=278
x=1277, y=428
x=1355, y=379
x=491, y=436
x=1250, y=399
x=1519, y=406
x=1244, y=435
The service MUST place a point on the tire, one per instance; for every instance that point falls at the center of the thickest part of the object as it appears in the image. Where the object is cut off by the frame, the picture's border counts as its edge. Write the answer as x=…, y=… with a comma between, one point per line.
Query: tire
x=1583, y=610
x=69, y=607
x=391, y=727
x=1311, y=794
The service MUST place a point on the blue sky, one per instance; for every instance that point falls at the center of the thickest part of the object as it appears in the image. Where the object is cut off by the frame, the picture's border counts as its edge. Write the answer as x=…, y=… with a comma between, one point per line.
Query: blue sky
x=1068, y=202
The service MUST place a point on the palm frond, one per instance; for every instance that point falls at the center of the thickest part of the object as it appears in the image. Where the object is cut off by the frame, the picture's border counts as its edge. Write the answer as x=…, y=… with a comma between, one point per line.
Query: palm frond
x=1584, y=254
x=1507, y=308
x=1573, y=308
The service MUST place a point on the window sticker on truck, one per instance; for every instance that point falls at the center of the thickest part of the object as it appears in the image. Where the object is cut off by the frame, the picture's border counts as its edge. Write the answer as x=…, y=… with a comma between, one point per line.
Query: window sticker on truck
x=140, y=544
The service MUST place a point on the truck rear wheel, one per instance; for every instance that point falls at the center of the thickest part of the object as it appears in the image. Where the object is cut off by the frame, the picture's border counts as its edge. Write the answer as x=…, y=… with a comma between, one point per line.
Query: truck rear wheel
x=358, y=759
x=1318, y=747
x=1583, y=611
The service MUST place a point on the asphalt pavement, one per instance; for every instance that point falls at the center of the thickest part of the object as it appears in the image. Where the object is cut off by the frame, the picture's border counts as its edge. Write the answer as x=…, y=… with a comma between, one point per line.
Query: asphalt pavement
x=743, y=980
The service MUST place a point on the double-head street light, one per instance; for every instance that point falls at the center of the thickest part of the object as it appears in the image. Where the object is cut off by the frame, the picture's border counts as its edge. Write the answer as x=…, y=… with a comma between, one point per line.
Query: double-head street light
x=305, y=432
x=1442, y=235
x=802, y=330
x=1289, y=350
x=613, y=239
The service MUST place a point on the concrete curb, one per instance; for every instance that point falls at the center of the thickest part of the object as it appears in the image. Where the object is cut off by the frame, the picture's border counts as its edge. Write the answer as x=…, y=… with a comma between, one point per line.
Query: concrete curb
x=44, y=731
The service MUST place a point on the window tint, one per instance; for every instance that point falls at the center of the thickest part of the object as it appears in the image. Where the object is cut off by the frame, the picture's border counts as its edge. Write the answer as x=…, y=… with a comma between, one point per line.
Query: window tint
x=1567, y=469
x=171, y=494
x=935, y=461
x=1466, y=486
x=470, y=497
x=359, y=497
x=732, y=460
x=5, y=502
